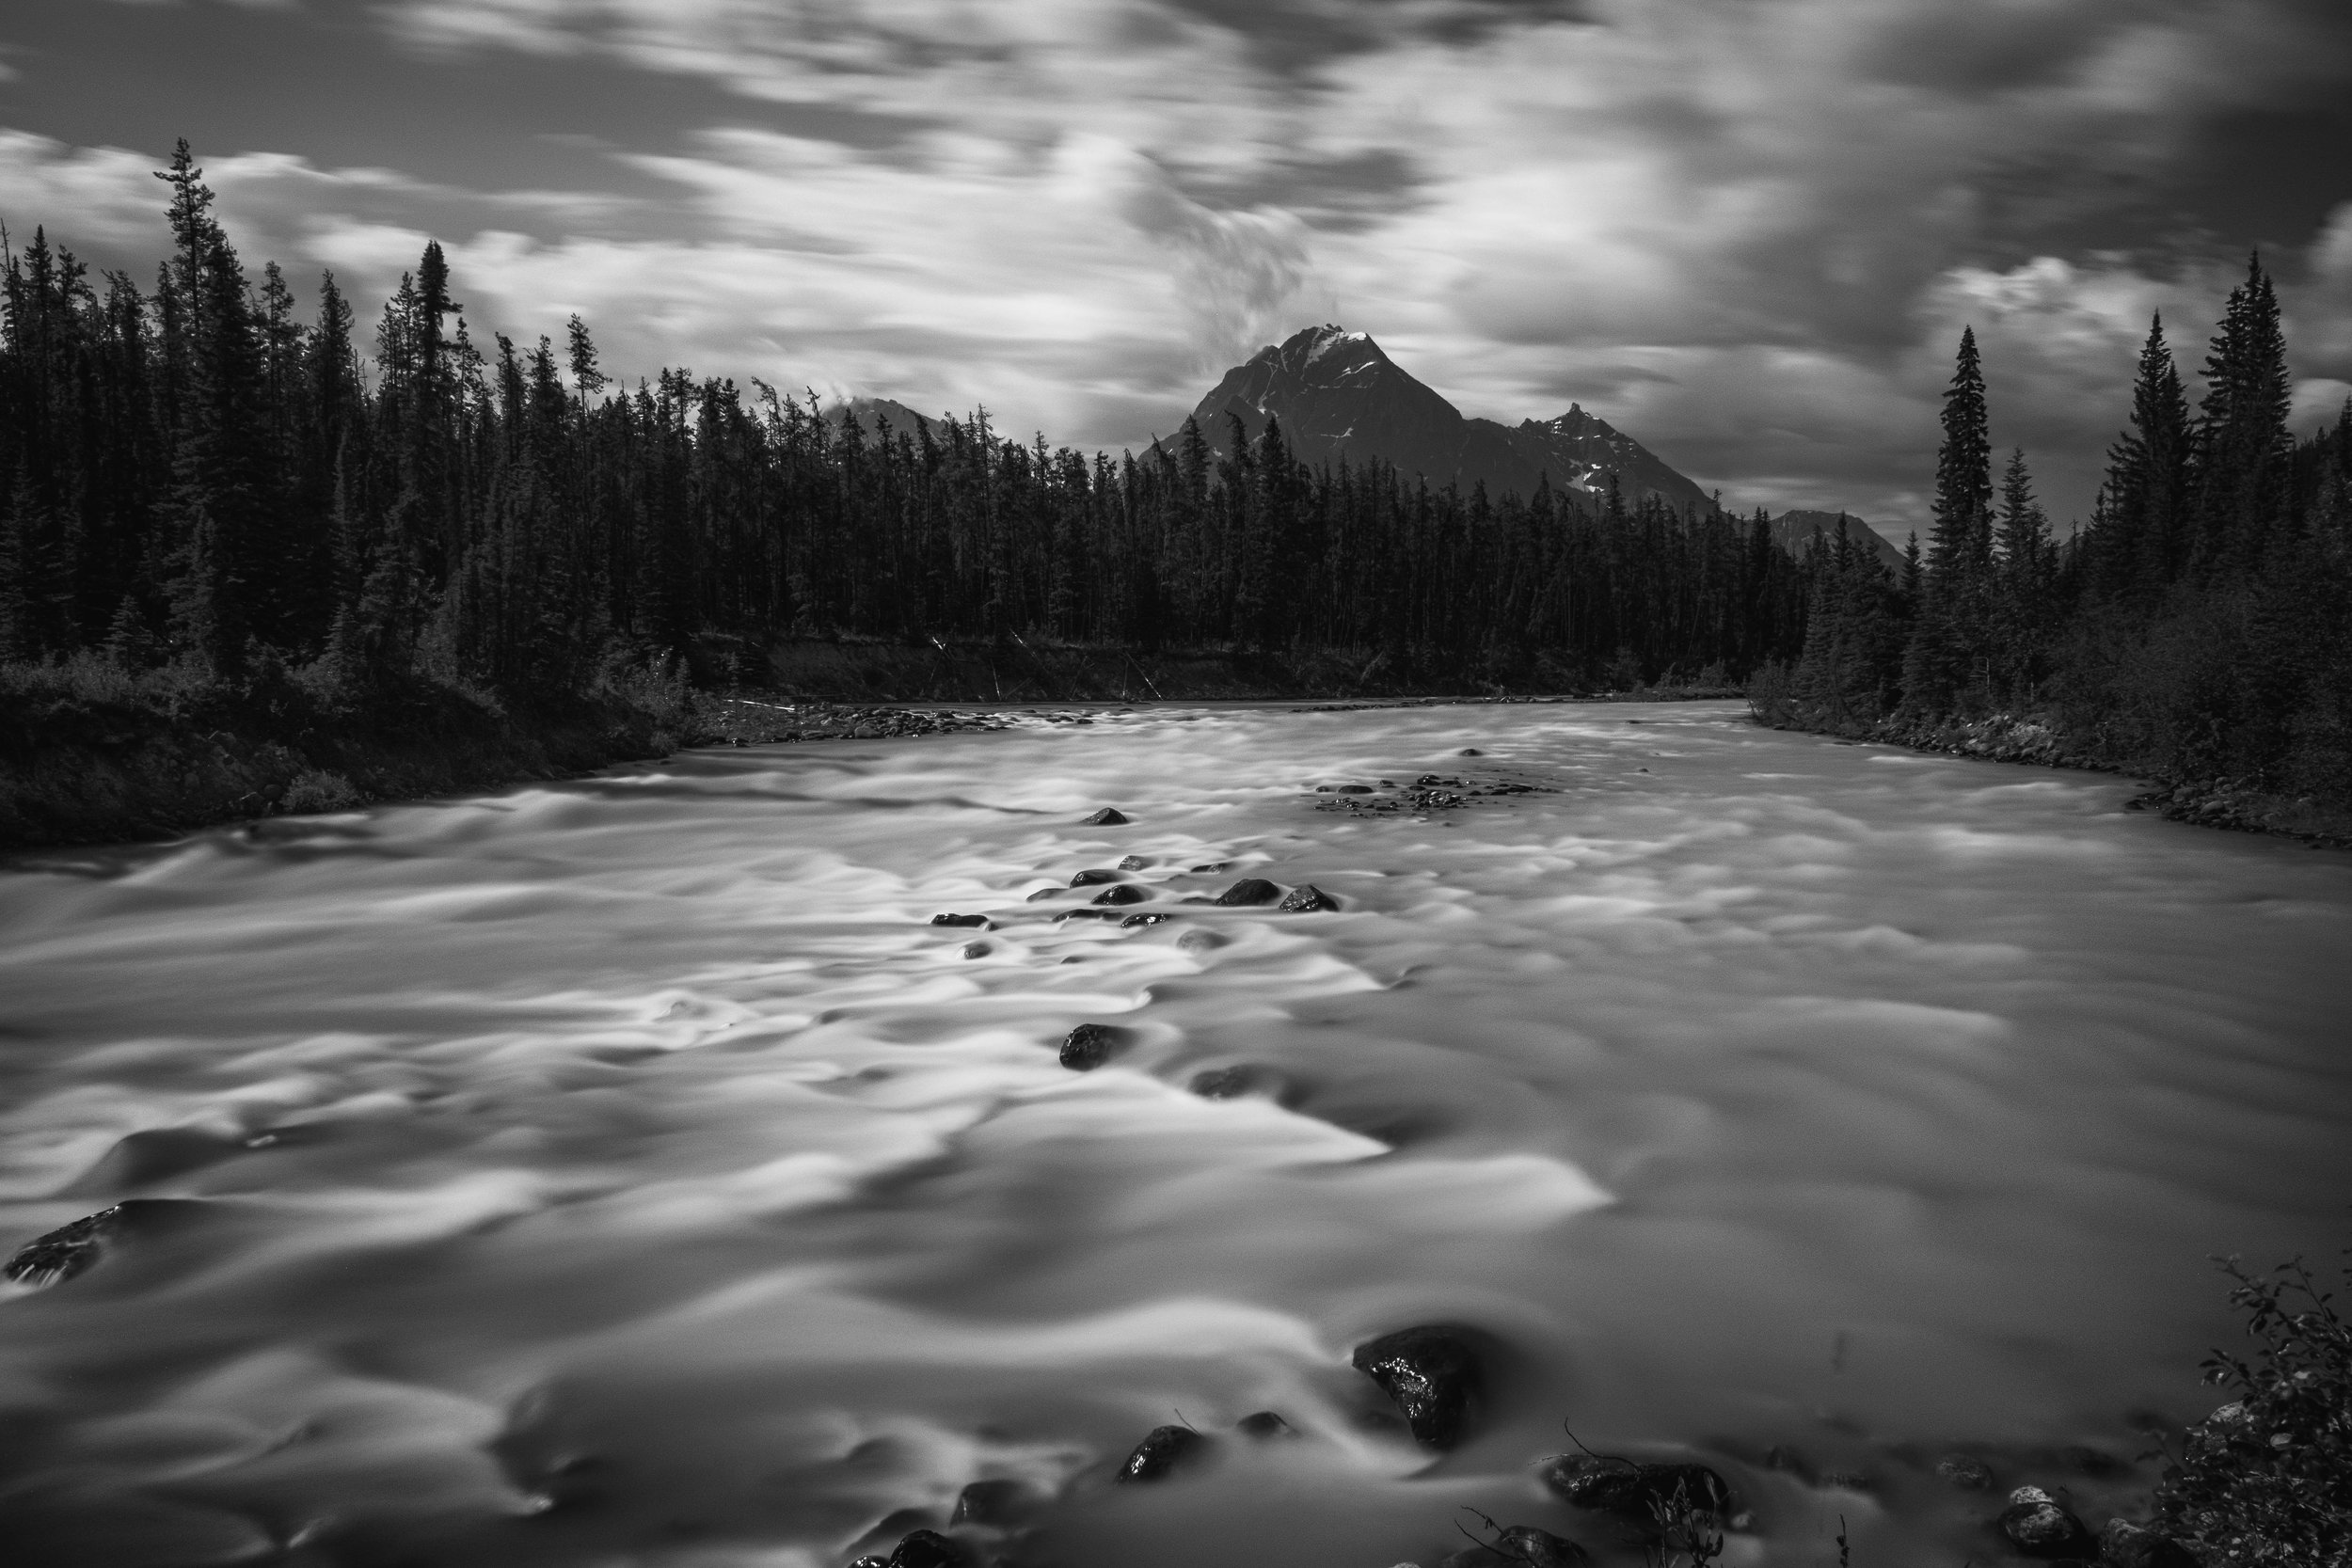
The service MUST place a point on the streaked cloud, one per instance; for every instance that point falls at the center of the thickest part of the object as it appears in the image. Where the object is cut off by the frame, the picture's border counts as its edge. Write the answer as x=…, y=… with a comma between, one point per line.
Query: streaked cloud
x=1747, y=233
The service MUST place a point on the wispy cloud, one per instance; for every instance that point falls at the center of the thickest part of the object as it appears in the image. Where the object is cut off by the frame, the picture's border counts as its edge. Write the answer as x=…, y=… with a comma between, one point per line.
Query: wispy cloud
x=1748, y=233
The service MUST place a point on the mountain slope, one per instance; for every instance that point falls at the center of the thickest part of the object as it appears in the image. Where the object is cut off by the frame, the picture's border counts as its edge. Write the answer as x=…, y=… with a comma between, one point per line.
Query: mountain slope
x=1337, y=395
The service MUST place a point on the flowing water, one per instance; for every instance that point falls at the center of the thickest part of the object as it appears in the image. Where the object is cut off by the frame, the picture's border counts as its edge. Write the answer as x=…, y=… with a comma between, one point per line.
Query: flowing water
x=625, y=1172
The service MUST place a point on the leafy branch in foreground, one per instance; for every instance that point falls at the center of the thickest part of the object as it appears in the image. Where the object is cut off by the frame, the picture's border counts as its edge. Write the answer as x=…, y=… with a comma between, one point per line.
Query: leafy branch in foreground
x=2265, y=1480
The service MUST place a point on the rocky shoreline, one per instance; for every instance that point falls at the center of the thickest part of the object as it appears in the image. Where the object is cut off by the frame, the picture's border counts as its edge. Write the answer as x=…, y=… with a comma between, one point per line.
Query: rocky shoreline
x=2234, y=804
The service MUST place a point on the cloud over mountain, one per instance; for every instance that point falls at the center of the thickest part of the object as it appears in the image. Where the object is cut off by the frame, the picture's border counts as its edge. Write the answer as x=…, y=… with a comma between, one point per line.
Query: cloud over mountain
x=1751, y=231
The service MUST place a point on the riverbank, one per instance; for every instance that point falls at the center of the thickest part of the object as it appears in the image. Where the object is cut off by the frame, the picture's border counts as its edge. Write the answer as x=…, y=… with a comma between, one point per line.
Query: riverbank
x=2234, y=804
x=91, y=753
x=94, y=754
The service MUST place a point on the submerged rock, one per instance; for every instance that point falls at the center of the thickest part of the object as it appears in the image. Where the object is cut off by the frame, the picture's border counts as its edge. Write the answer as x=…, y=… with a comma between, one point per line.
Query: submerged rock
x=1305, y=899
x=1198, y=941
x=1159, y=1455
x=1146, y=919
x=155, y=1154
x=1636, y=1492
x=1109, y=817
x=1227, y=1083
x=1249, y=890
x=2037, y=1525
x=978, y=920
x=1431, y=1372
x=1265, y=1423
x=1966, y=1471
x=2124, y=1544
x=976, y=950
x=996, y=1504
x=1122, y=893
x=1088, y=1047
x=1094, y=877
x=1133, y=863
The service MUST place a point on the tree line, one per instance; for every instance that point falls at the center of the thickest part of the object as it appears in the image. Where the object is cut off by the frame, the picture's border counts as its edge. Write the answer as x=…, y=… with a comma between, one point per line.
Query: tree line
x=197, y=478
x=2200, y=626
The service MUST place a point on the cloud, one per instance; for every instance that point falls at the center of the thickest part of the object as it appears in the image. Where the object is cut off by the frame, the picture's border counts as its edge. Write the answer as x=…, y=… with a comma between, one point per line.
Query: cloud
x=1746, y=233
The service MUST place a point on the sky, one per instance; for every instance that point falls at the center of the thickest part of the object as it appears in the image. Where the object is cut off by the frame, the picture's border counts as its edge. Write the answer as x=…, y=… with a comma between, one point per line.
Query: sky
x=1747, y=232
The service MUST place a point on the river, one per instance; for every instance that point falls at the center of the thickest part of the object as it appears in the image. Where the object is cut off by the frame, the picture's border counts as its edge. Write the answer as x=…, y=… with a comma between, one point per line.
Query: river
x=625, y=1171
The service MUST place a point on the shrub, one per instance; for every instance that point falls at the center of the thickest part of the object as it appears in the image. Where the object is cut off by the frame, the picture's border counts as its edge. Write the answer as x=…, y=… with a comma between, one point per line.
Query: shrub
x=315, y=790
x=2265, y=1480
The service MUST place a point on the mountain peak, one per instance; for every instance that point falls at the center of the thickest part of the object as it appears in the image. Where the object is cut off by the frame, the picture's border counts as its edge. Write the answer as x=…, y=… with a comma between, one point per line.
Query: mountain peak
x=1339, y=396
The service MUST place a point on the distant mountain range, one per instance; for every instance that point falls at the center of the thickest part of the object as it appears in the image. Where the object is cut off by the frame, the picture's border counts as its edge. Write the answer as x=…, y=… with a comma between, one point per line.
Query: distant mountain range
x=1337, y=395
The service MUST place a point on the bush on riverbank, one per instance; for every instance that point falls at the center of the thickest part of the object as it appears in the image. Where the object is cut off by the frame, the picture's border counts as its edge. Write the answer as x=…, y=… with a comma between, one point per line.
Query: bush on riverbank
x=2265, y=1480
x=94, y=750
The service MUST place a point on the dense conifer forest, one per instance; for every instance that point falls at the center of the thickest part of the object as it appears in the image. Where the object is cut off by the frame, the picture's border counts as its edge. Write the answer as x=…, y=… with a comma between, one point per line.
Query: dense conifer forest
x=2198, y=629
x=238, y=516
x=204, y=481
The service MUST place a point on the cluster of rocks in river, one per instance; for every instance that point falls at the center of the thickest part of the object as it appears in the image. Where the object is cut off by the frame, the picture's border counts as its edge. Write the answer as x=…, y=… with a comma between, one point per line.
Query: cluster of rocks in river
x=1434, y=1375
x=1429, y=793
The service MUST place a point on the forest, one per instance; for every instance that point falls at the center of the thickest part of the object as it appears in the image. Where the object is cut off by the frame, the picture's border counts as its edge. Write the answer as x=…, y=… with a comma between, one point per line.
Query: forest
x=205, y=483
x=2198, y=629
x=223, y=517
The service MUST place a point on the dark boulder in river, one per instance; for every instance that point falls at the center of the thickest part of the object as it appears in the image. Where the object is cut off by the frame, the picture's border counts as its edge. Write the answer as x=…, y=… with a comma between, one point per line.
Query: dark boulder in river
x=1306, y=899
x=1093, y=877
x=1124, y=892
x=2037, y=1526
x=922, y=1548
x=996, y=1504
x=1249, y=890
x=1087, y=1046
x=70, y=1249
x=1431, y=1372
x=1636, y=1492
x=1109, y=817
x=979, y=920
x=1146, y=919
x=1159, y=1455
x=1521, y=1543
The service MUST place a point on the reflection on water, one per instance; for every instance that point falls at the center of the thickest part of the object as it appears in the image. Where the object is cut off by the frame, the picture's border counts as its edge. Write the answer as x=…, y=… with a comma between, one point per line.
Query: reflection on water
x=627, y=1171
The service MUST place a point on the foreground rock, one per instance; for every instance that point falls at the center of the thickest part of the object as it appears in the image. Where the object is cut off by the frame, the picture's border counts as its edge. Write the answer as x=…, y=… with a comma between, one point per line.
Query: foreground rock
x=1088, y=1046
x=2037, y=1527
x=1248, y=892
x=1164, y=1452
x=2125, y=1544
x=69, y=1250
x=1525, y=1543
x=978, y=920
x=1306, y=899
x=922, y=1548
x=1109, y=817
x=1431, y=1372
x=1635, y=1491
x=996, y=1504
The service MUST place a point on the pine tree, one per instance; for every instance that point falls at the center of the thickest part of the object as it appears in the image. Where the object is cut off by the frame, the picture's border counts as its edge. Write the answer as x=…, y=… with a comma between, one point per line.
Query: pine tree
x=2244, y=453
x=2142, y=538
x=1947, y=664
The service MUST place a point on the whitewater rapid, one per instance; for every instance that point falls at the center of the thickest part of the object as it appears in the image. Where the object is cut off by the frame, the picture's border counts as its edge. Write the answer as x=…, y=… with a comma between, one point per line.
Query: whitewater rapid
x=627, y=1172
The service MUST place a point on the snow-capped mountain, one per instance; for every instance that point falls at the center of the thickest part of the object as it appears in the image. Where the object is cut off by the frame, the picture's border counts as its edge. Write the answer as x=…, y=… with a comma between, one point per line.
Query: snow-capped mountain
x=1336, y=393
